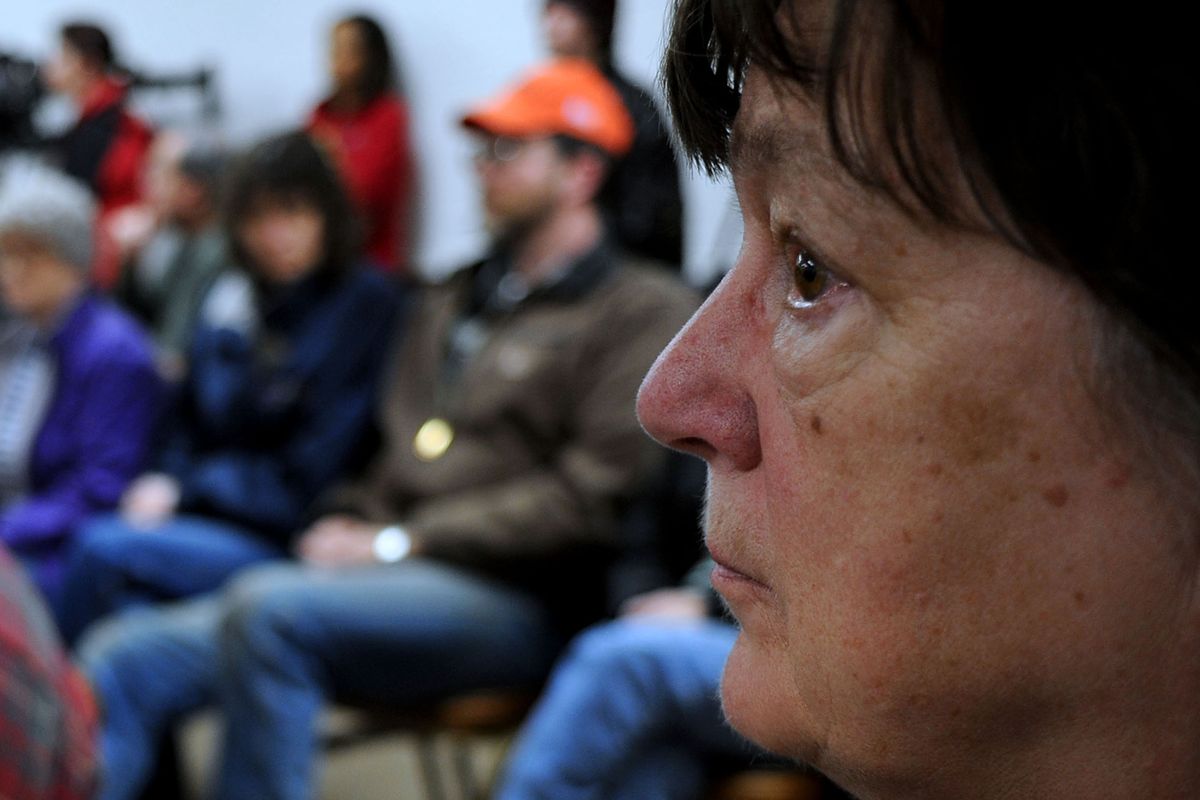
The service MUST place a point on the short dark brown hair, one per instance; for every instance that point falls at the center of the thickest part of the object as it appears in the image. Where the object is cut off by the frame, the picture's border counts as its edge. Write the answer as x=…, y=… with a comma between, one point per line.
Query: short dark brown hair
x=1066, y=120
x=286, y=169
x=91, y=43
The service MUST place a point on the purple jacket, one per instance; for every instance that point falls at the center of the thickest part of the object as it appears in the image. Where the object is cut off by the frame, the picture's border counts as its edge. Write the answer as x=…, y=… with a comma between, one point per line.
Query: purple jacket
x=94, y=437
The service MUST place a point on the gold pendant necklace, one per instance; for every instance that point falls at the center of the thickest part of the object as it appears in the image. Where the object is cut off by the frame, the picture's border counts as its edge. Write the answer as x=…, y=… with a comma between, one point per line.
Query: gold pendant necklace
x=433, y=439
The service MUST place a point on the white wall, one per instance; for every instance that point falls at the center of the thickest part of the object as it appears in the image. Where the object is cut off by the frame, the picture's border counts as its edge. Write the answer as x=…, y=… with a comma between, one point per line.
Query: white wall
x=270, y=62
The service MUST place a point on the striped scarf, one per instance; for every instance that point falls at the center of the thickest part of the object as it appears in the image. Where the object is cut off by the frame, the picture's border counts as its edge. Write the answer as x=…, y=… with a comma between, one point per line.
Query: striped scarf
x=26, y=386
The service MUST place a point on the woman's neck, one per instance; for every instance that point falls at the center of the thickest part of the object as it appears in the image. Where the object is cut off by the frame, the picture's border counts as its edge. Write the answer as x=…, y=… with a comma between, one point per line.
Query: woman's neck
x=347, y=100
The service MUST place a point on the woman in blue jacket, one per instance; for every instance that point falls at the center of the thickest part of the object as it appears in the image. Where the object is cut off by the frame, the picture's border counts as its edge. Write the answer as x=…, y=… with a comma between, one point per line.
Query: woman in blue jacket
x=283, y=370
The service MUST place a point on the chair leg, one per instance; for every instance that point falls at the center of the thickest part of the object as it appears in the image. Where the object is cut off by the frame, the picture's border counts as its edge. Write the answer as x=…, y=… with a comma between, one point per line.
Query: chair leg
x=464, y=768
x=431, y=774
x=491, y=776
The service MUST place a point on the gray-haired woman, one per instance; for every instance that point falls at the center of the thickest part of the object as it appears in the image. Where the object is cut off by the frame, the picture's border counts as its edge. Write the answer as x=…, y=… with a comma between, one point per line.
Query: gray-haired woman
x=78, y=389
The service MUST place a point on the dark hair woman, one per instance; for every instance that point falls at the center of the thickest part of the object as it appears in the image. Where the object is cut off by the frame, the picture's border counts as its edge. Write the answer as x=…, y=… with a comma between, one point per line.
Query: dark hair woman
x=949, y=394
x=276, y=404
x=364, y=125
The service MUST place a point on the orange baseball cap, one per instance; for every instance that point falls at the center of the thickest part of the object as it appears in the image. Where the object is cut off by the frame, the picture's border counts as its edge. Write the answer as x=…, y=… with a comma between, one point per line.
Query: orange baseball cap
x=567, y=96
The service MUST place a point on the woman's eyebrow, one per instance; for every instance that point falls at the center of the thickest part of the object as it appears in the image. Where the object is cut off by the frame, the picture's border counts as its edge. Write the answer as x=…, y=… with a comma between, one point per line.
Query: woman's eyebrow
x=767, y=144
x=754, y=146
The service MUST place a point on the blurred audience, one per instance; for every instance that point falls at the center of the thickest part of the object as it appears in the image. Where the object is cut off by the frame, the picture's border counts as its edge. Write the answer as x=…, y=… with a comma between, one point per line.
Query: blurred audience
x=47, y=716
x=174, y=248
x=106, y=146
x=276, y=404
x=461, y=552
x=364, y=124
x=642, y=199
x=78, y=390
x=475, y=543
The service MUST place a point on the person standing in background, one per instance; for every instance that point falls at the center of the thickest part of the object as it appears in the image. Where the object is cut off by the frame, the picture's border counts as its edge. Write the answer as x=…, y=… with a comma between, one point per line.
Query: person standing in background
x=642, y=198
x=364, y=125
x=107, y=146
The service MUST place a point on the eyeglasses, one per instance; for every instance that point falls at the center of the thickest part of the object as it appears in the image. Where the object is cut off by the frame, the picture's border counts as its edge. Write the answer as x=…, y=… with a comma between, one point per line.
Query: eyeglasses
x=500, y=149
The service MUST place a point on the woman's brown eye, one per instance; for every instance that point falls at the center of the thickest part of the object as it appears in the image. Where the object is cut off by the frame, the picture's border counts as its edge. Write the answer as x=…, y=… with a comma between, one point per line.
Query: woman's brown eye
x=810, y=278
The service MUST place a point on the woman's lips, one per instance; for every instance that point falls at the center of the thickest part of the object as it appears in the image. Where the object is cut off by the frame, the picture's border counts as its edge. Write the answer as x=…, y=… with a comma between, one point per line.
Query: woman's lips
x=731, y=582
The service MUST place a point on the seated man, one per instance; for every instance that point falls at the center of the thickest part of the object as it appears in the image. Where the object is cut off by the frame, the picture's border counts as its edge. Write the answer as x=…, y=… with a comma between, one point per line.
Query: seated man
x=172, y=246
x=473, y=547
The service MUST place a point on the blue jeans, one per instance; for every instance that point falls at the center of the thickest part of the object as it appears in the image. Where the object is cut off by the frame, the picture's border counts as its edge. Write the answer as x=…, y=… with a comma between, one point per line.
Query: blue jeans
x=114, y=566
x=632, y=712
x=283, y=638
x=149, y=666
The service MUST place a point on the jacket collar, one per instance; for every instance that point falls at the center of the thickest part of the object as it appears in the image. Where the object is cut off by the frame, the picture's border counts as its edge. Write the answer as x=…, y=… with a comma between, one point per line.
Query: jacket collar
x=576, y=281
x=106, y=93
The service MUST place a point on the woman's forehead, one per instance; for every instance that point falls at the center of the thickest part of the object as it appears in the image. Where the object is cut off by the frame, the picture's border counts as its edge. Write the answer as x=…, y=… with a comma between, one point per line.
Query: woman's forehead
x=777, y=125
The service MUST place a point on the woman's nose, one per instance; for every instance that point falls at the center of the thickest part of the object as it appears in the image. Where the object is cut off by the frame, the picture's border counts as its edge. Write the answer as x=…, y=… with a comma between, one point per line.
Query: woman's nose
x=695, y=398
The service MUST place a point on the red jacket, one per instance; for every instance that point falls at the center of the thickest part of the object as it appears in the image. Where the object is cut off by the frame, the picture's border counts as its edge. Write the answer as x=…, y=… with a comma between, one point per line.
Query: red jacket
x=106, y=149
x=371, y=150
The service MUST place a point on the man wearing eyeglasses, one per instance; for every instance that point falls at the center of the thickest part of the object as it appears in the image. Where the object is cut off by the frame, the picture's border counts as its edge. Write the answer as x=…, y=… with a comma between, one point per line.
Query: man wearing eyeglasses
x=477, y=540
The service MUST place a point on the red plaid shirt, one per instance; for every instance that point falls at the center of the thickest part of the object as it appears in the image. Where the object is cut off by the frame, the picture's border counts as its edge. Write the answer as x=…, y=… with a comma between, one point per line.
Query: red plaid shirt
x=47, y=715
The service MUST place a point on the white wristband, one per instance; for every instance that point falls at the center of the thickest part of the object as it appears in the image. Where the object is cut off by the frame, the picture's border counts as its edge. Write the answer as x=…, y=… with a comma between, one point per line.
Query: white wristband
x=391, y=544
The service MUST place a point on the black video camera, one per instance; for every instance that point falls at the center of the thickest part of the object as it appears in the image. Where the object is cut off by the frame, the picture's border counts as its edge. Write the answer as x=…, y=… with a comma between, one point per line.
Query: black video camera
x=20, y=90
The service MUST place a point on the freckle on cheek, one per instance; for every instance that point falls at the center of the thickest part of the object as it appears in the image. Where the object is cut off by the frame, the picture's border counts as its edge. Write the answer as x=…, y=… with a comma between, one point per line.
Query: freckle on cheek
x=1057, y=495
x=1080, y=599
x=934, y=469
x=816, y=424
x=1034, y=456
x=979, y=429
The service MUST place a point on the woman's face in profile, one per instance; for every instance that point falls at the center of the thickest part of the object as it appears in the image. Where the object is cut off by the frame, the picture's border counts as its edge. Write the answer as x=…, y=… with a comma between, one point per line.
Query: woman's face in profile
x=67, y=72
x=284, y=238
x=927, y=528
